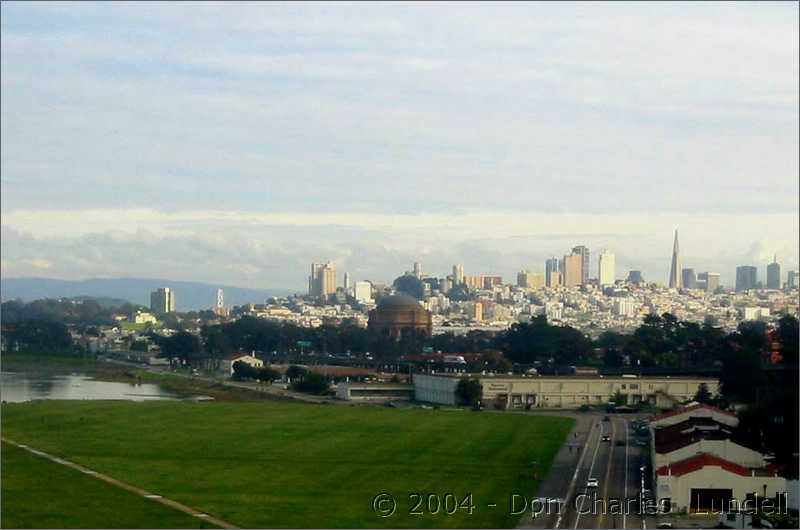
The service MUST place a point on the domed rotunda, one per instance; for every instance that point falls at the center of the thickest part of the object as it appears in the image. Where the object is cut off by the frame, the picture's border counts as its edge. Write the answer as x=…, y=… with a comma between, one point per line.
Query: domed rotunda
x=399, y=316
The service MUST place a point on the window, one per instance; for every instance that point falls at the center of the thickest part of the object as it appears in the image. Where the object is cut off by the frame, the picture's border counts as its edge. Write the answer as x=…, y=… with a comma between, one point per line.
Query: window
x=634, y=387
x=624, y=386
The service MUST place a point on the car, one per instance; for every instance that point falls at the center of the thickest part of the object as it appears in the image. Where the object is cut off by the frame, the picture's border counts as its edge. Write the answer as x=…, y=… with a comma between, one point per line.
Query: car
x=619, y=443
x=641, y=443
x=664, y=525
x=592, y=483
x=606, y=438
x=606, y=418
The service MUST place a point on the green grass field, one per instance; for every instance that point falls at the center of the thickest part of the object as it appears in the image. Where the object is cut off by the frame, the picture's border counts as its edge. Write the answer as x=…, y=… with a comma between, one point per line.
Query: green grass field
x=271, y=464
x=38, y=493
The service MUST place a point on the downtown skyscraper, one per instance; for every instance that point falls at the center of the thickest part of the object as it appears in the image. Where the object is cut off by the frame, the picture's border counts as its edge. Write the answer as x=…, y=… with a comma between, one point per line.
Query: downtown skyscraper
x=675, y=279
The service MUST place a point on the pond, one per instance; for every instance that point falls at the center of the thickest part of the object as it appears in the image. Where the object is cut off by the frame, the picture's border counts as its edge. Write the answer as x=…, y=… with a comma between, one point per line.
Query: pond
x=18, y=387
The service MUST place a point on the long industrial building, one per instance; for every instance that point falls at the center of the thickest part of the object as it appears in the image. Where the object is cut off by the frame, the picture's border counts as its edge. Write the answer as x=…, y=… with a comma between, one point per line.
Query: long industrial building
x=519, y=392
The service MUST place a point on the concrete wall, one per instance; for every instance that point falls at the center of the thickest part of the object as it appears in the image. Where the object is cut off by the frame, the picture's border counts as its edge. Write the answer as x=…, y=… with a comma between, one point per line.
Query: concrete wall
x=373, y=392
x=435, y=389
x=725, y=449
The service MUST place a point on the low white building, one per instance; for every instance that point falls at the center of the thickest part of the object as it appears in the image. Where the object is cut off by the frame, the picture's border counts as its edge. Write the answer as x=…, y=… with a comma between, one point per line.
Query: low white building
x=230, y=360
x=708, y=483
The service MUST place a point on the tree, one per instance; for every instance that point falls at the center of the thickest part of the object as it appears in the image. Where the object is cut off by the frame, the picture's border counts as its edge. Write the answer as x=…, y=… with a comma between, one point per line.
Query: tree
x=243, y=371
x=703, y=395
x=742, y=376
x=619, y=399
x=788, y=338
x=296, y=372
x=468, y=392
x=37, y=336
x=410, y=285
x=182, y=345
x=312, y=383
x=139, y=345
x=460, y=293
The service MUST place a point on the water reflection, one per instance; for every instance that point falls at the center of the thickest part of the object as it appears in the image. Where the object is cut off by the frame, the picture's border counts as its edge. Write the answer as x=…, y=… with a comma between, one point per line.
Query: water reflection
x=17, y=387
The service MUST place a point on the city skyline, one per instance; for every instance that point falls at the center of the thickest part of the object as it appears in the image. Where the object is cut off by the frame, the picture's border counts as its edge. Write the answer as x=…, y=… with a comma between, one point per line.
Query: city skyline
x=291, y=142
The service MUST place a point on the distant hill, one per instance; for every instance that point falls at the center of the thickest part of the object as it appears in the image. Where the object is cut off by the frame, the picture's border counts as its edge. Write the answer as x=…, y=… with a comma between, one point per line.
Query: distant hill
x=189, y=295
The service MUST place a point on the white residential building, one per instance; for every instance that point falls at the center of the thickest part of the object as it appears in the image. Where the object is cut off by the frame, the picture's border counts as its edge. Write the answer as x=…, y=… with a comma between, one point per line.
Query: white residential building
x=606, y=268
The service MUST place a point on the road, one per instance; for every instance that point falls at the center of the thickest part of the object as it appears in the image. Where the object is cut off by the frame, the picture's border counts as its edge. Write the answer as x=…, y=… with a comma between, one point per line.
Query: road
x=614, y=463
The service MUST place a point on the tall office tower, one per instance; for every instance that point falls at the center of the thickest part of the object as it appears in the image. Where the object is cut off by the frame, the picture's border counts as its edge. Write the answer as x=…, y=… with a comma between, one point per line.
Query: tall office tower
x=322, y=281
x=572, y=270
x=675, y=280
x=606, y=268
x=635, y=277
x=458, y=274
x=774, y=274
x=793, y=279
x=162, y=301
x=346, y=281
x=219, y=308
x=689, y=279
x=363, y=291
x=418, y=269
x=583, y=252
x=746, y=277
x=552, y=266
x=709, y=281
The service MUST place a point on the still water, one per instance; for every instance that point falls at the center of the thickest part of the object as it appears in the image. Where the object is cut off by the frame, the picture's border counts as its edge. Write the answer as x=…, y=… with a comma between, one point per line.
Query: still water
x=18, y=387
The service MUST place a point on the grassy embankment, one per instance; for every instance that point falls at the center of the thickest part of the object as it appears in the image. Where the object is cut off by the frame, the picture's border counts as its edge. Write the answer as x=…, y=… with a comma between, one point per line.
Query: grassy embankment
x=38, y=493
x=272, y=464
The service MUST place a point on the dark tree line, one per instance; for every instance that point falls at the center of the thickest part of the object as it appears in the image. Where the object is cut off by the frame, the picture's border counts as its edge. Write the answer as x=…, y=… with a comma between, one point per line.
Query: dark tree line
x=64, y=311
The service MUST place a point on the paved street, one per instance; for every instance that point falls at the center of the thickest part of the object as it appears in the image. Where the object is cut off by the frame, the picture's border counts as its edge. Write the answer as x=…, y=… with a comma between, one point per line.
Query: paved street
x=616, y=468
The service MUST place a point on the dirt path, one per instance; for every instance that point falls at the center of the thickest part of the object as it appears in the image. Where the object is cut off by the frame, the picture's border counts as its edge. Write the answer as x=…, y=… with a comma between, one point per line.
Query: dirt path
x=122, y=485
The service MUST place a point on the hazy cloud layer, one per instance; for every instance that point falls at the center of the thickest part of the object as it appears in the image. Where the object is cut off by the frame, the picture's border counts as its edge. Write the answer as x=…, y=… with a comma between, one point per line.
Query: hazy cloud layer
x=238, y=142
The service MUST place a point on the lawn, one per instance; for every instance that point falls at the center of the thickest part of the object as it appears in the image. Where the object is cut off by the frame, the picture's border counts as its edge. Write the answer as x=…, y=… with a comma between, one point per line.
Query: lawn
x=275, y=464
x=37, y=493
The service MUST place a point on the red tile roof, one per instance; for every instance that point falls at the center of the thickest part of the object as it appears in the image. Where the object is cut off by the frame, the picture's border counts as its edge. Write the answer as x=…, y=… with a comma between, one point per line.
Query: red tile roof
x=689, y=409
x=699, y=462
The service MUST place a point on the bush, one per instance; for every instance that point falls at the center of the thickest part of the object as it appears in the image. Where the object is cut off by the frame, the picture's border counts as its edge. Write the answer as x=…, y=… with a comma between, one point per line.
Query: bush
x=312, y=383
x=468, y=392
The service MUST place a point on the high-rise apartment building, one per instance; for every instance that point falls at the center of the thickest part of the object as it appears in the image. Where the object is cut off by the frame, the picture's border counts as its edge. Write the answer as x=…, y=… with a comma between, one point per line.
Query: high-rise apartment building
x=347, y=281
x=552, y=267
x=793, y=279
x=531, y=280
x=675, y=280
x=708, y=281
x=162, y=301
x=363, y=292
x=689, y=279
x=774, y=274
x=418, y=270
x=322, y=281
x=219, y=307
x=458, y=274
x=606, y=269
x=746, y=277
x=583, y=252
x=572, y=270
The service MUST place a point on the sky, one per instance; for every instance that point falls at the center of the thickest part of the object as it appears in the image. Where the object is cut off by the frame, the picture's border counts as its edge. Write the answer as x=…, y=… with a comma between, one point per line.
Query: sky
x=239, y=143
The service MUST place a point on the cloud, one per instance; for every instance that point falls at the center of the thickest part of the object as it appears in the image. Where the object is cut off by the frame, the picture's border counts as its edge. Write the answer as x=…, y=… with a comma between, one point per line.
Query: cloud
x=377, y=133
x=275, y=250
